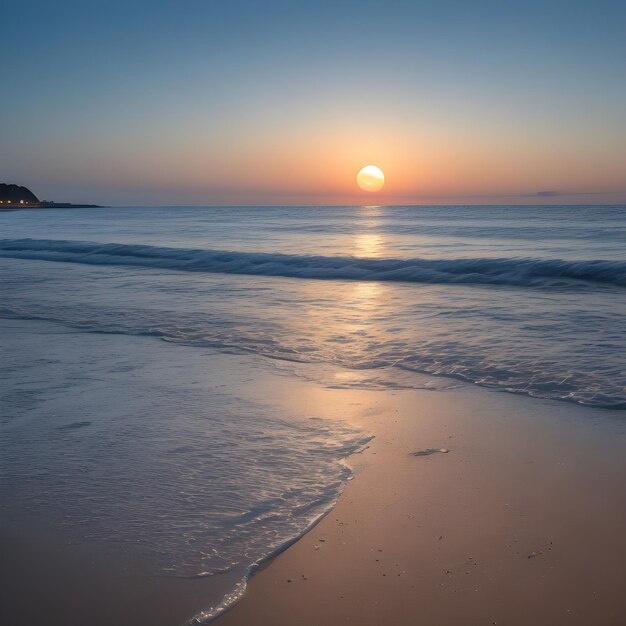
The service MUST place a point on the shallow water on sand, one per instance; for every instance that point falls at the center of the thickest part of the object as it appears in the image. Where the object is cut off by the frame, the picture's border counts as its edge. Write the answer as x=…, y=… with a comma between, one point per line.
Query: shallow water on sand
x=168, y=448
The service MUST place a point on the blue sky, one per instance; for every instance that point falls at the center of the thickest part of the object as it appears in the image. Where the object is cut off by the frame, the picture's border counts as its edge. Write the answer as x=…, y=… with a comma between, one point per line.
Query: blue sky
x=244, y=102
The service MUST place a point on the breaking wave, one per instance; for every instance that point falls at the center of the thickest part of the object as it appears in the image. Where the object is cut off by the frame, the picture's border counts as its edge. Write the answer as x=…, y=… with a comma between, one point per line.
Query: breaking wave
x=489, y=271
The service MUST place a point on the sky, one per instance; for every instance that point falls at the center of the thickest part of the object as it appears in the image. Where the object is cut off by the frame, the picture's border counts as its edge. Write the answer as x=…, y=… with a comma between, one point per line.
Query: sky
x=247, y=102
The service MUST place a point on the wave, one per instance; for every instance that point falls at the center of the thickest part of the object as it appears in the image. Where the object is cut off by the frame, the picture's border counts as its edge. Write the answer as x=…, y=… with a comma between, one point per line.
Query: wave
x=567, y=377
x=489, y=271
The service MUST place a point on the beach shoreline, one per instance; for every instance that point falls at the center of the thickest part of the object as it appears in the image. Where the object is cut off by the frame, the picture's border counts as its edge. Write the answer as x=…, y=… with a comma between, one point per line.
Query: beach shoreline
x=468, y=506
x=510, y=513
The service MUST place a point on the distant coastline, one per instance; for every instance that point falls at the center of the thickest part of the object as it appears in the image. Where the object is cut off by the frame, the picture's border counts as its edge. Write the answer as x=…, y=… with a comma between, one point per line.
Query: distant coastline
x=18, y=197
x=48, y=205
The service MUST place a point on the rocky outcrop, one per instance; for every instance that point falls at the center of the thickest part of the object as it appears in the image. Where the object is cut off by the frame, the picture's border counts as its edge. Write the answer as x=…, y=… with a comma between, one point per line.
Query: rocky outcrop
x=17, y=195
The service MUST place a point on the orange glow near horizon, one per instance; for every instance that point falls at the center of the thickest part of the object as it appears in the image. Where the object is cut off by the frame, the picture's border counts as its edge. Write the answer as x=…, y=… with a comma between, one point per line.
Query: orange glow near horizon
x=316, y=162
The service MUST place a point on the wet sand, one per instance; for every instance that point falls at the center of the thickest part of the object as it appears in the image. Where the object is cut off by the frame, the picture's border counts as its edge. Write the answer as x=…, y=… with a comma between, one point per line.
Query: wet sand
x=521, y=522
x=46, y=579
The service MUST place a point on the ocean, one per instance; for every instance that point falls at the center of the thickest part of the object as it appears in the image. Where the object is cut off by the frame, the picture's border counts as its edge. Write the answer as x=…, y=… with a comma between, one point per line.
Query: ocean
x=525, y=300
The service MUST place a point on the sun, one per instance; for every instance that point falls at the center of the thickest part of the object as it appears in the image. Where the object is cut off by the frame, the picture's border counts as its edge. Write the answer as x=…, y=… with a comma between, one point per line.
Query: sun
x=370, y=178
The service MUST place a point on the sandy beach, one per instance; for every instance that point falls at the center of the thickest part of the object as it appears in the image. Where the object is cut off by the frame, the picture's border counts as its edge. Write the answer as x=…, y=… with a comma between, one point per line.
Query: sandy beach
x=521, y=522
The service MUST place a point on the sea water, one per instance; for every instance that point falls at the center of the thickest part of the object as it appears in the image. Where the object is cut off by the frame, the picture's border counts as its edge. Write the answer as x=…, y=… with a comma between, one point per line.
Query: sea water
x=528, y=300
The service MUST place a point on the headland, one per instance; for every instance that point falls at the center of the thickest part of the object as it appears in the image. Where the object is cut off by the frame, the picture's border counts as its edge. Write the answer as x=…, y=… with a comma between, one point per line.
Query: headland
x=19, y=197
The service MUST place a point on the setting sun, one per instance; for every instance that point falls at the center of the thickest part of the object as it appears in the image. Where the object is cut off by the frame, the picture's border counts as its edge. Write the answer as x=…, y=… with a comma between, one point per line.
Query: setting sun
x=370, y=178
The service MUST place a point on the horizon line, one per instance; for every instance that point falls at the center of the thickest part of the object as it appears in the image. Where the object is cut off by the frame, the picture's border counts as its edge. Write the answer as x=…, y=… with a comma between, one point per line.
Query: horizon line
x=371, y=205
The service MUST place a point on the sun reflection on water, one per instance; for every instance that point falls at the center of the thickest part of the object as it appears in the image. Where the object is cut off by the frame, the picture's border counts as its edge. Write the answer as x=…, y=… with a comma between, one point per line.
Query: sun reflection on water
x=369, y=241
x=368, y=245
